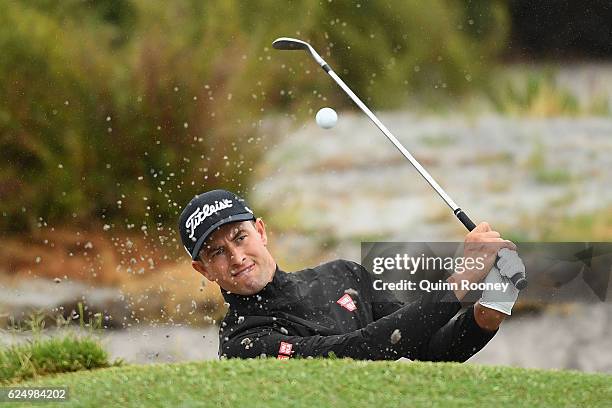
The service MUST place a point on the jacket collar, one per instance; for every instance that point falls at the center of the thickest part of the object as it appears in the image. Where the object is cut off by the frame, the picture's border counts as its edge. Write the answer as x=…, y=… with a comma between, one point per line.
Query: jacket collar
x=272, y=290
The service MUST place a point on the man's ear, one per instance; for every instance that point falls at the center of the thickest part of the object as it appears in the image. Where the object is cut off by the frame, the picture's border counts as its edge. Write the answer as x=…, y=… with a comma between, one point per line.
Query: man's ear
x=198, y=266
x=260, y=226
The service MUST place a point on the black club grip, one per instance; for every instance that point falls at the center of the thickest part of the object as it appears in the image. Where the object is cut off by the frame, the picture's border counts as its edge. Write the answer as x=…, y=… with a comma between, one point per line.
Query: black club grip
x=519, y=281
x=465, y=220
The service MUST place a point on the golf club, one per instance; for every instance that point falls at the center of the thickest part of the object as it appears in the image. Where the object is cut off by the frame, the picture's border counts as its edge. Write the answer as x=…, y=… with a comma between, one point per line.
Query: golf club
x=286, y=43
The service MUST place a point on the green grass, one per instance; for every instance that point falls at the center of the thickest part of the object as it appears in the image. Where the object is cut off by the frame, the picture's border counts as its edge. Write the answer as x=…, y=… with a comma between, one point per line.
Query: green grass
x=537, y=94
x=595, y=226
x=438, y=140
x=537, y=164
x=324, y=383
x=51, y=355
x=553, y=176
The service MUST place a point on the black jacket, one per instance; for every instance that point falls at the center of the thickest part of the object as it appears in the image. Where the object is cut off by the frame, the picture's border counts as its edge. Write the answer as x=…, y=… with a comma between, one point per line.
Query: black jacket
x=301, y=314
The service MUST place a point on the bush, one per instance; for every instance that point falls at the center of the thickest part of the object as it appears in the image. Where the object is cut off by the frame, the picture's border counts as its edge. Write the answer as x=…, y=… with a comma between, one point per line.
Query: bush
x=51, y=356
x=118, y=112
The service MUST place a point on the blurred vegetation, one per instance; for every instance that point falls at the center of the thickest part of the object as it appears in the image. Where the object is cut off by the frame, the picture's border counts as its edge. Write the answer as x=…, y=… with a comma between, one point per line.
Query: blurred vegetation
x=538, y=164
x=119, y=112
x=536, y=92
x=66, y=352
x=536, y=95
x=51, y=356
x=558, y=226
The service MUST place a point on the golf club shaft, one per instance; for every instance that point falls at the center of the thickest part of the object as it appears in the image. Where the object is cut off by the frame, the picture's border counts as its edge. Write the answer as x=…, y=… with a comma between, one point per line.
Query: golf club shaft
x=517, y=280
x=465, y=220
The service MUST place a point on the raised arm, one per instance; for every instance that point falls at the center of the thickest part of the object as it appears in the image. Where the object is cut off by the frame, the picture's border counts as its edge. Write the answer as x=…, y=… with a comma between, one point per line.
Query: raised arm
x=457, y=340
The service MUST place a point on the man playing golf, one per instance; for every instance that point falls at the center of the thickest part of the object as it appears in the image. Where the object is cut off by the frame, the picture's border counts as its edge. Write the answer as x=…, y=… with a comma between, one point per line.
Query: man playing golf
x=332, y=309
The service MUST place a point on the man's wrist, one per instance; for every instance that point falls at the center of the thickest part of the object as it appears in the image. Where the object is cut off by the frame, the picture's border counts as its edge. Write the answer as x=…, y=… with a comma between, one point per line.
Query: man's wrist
x=486, y=318
x=458, y=277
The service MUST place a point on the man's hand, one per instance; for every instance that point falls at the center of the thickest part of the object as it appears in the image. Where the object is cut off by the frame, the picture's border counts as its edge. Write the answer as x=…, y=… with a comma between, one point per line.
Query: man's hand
x=503, y=300
x=510, y=263
x=484, y=243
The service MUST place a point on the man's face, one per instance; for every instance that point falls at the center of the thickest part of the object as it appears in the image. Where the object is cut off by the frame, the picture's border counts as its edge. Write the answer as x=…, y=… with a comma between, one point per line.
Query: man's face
x=235, y=256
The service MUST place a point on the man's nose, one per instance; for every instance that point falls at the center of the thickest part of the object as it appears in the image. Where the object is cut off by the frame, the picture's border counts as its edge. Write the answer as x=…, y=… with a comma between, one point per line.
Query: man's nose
x=237, y=256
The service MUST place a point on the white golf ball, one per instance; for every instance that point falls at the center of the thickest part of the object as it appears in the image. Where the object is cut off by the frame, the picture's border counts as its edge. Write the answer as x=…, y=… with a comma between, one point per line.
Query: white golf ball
x=326, y=118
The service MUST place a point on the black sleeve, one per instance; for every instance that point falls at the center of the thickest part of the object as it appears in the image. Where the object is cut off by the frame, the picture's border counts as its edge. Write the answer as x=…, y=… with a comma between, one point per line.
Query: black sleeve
x=407, y=332
x=384, y=302
x=458, y=340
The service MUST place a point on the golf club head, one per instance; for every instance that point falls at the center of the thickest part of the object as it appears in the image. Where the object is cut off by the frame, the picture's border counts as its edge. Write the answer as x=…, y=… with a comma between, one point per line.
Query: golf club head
x=286, y=43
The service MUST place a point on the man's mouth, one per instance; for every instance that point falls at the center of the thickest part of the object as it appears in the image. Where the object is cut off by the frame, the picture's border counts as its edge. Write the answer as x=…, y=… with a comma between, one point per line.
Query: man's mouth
x=243, y=271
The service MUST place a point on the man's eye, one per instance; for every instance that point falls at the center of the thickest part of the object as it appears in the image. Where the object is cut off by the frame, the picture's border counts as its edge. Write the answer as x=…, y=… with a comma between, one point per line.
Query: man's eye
x=217, y=252
x=242, y=237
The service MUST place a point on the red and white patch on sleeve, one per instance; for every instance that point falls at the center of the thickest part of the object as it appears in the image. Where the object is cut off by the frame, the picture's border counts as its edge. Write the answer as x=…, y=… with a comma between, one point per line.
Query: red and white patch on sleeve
x=284, y=351
x=346, y=301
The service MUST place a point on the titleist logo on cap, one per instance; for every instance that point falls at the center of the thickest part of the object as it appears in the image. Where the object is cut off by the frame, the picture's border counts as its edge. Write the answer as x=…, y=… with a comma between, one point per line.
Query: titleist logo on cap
x=200, y=214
